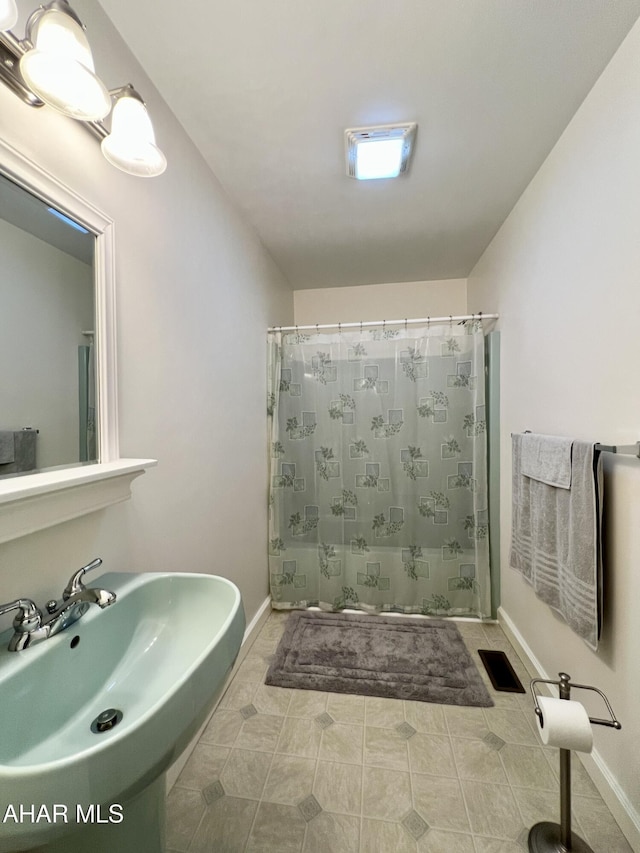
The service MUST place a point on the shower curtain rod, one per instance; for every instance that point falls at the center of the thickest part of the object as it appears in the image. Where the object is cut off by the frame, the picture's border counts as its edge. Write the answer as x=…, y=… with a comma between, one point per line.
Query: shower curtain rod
x=451, y=319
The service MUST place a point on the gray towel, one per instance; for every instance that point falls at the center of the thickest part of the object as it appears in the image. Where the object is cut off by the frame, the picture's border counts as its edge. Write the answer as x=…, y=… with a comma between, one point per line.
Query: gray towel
x=24, y=452
x=547, y=458
x=7, y=451
x=25, y=443
x=555, y=539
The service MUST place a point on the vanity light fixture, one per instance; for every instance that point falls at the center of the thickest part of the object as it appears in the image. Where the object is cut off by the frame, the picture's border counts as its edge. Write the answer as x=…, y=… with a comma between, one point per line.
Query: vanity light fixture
x=377, y=152
x=53, y=65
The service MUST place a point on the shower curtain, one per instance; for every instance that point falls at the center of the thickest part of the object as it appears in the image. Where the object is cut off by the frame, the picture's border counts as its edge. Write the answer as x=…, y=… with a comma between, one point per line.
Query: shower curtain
x=377, y=476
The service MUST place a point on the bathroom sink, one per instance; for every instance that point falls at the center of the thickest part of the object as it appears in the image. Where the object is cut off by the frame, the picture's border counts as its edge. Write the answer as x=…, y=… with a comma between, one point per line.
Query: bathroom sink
x=159, y=656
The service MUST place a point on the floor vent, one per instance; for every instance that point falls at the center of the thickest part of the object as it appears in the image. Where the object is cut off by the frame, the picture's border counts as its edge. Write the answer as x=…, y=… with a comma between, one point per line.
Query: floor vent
x=501, y=673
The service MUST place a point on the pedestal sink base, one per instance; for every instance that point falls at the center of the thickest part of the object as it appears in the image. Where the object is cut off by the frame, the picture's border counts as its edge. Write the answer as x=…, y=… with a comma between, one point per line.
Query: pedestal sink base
x=143, y=827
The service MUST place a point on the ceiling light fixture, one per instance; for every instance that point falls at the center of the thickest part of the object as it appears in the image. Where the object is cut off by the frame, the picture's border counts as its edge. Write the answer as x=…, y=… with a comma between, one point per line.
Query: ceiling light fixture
x=67, y=220
x=53, y=65
x=377, y=152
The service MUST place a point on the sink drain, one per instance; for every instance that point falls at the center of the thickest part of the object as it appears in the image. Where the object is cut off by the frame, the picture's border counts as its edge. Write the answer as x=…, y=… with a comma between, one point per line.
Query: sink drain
x=106, y=720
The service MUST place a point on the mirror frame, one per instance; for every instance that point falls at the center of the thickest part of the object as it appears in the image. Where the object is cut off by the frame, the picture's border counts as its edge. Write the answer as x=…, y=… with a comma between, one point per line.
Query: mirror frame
x=34, y=501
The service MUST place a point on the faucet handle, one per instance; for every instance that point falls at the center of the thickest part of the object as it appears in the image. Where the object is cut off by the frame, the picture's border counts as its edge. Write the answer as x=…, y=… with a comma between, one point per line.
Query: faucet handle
x=75, y=584
x=29, y=616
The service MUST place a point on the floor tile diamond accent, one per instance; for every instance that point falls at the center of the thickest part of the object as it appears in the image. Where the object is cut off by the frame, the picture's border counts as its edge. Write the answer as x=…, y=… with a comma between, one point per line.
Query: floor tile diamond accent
x=405, y=730
x=493, y=741
x=213, y=792
x=248, y=711
x=415, y=825
x=309, y=808
x=324, y=720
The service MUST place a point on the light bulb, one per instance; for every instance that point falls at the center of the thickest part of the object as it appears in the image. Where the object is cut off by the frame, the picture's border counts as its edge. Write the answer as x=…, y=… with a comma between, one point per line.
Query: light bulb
x=131, y=145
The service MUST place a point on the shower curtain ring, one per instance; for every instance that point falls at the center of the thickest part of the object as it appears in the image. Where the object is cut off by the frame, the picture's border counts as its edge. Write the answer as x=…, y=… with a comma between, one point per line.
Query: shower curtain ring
x=360, y=326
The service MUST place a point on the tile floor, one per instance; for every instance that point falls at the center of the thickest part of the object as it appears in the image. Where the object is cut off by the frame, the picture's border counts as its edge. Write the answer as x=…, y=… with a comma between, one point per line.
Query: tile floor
x=300, y=771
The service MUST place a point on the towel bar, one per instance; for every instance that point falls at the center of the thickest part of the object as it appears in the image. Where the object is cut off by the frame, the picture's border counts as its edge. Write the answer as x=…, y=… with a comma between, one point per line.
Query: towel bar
x=632, y=449
x=629, y=449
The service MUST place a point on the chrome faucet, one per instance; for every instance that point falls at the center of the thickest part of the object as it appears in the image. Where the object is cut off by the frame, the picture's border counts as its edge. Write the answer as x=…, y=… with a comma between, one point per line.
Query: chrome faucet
x=31, y=626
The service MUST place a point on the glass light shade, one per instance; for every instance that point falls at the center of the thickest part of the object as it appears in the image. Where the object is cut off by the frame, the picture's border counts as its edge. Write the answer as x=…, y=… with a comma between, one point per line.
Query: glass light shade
x=60, y=68
x=8, y=15
x=131, y=145
x=379, y=159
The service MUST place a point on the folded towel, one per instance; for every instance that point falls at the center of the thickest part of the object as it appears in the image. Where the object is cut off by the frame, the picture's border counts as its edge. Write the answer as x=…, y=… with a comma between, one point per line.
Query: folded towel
x=7, y=450
x=556, y=538
x=547, y=458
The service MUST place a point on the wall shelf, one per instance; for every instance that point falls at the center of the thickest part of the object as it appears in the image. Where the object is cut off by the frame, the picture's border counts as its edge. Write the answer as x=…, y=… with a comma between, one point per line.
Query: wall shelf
x=36, y=501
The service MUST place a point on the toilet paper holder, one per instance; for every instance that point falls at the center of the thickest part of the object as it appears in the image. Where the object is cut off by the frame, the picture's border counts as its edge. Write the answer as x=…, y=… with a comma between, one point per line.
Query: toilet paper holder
x=549, y=837
x=564, y=686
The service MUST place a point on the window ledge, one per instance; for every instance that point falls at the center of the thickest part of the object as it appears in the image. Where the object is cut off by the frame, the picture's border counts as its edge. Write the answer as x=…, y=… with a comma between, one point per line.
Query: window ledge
x=37, y=501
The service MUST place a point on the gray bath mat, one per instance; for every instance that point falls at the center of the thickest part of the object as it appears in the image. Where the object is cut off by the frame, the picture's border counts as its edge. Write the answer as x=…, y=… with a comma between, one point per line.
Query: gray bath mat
x=421, y=659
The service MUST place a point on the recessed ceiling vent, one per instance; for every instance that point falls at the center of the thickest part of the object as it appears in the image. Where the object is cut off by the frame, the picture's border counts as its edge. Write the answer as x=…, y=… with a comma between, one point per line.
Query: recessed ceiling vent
x=379, y=152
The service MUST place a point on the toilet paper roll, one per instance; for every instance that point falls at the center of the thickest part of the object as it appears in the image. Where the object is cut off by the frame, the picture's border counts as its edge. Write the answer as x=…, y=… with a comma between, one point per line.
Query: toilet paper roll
x=565, y=724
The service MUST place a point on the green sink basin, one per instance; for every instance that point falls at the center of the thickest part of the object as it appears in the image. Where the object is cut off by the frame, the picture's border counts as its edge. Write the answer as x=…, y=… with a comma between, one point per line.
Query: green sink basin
x=159, y=655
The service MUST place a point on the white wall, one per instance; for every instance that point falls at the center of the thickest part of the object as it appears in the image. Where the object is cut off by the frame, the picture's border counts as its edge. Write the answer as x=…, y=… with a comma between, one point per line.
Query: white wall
x=563, y=274
x=47, y=300
x=381, y=301
x=196, y=291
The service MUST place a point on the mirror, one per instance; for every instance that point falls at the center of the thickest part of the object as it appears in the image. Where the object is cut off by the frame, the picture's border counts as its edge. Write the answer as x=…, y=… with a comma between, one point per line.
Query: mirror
x=67, y=316
x=47, y=336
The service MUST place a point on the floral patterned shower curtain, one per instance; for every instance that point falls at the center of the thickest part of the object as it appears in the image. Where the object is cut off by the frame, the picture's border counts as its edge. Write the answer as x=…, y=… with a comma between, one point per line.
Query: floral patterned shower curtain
x=378, y=481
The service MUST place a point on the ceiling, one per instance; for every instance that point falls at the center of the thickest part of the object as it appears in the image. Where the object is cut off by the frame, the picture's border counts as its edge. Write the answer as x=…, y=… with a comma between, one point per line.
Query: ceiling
x=266, y=90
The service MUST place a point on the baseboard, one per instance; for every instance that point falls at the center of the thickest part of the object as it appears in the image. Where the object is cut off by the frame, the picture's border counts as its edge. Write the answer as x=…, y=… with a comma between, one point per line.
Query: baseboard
x=251, y=632
x=533, y=665
x=253, y=628
x=617, y=801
